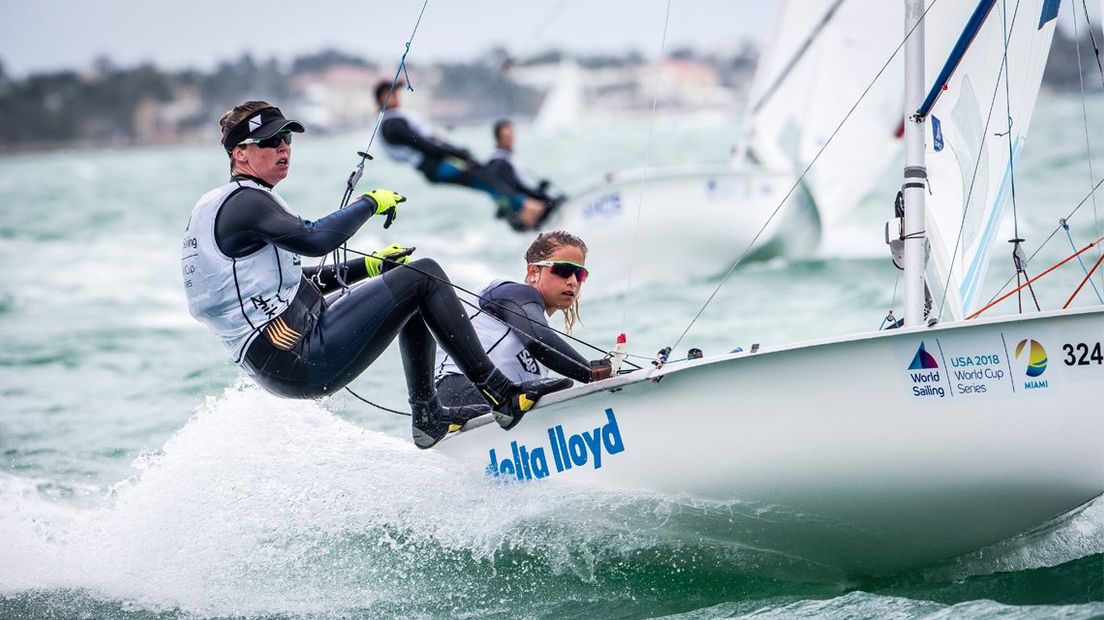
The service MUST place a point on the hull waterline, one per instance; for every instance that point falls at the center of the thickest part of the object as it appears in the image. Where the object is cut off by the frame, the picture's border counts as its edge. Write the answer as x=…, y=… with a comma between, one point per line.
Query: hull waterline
x=866, y=455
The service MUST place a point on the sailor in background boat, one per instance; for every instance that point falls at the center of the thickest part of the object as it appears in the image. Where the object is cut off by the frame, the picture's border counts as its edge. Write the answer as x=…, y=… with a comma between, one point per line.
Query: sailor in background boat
x=405, y=139
x=503, y=165
x=243, y=279
x=513, y=327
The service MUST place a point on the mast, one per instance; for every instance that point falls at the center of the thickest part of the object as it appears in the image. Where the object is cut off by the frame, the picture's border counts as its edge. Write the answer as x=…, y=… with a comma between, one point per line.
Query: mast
x=915, y=181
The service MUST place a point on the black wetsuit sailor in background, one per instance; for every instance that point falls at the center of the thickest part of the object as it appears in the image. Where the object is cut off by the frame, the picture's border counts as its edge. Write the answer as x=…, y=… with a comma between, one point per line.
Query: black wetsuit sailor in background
x=342, y=335
x=503, y=170
x=520, y=307
x=502, y=165
x=445, y=163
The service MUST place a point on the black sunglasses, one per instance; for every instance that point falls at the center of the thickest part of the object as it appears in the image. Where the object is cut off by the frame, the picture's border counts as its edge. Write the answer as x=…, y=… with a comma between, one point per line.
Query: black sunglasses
x=270, y=142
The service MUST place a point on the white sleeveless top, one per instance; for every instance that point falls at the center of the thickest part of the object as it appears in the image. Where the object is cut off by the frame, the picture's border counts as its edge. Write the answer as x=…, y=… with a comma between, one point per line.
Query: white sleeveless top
x=235, y=297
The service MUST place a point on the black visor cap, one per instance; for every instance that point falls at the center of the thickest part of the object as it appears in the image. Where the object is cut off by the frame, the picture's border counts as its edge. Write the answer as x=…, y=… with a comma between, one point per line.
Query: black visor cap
x=263, y=123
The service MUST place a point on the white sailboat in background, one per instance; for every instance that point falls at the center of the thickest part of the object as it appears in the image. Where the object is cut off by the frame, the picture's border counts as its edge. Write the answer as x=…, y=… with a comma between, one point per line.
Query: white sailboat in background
x=882, y=451
x=822, y=57
x=563, y=104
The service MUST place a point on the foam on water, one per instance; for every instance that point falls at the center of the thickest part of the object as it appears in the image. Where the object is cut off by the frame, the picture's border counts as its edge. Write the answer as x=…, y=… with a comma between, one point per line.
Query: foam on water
x=254, y=505
x=864, y=605
x=1075, y=536
x=262, y=505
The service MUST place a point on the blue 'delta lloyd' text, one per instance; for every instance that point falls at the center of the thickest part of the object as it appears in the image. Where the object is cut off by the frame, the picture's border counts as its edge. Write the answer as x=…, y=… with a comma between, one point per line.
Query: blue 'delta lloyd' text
x=562, y=452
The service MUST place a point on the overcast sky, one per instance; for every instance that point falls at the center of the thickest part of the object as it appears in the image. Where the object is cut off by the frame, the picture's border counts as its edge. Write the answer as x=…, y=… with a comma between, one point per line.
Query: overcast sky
x=41, y=35
x=45, y=35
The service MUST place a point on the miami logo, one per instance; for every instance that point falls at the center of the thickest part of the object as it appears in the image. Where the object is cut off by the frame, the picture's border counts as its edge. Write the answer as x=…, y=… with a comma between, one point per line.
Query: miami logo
x=925, y=361
x=1036, y=356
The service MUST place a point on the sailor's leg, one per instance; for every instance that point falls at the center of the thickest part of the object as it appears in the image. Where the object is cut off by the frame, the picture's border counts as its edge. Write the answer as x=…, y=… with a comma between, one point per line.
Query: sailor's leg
x=522, y=212
x=352, y=331
x=457, y=390
x=430, y=421
x=358, y=326
x=424, y=286
x=425, y=281
x=418, y=354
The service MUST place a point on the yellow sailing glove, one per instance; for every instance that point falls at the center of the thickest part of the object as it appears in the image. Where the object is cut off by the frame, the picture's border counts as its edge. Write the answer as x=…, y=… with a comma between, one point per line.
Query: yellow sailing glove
x=387, y=259
x=386, y=203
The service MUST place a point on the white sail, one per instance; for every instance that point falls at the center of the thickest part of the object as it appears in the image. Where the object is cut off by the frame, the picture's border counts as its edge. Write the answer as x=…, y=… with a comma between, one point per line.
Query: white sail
x=563, y=105
x=968, y=140
x=824, y=56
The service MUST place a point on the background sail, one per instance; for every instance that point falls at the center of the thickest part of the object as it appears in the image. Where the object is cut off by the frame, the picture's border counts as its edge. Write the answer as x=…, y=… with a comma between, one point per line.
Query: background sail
x=823, y=56
x=969, y=167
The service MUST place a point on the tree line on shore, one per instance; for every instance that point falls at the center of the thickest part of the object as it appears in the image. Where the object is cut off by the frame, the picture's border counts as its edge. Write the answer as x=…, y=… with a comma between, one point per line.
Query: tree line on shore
x=110, y=105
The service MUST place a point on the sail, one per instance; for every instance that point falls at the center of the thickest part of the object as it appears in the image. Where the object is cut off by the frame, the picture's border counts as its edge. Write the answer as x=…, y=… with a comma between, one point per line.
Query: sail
x=970, y=150
x=824, y=54
x=563, y=105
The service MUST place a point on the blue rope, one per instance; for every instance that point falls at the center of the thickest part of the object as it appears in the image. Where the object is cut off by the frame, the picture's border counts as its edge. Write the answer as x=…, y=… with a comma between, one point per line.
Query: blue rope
x=1065, y=227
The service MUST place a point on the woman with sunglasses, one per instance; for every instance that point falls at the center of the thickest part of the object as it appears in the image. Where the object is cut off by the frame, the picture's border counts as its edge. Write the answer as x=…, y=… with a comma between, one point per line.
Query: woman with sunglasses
x=243, y=279
x=512, y=322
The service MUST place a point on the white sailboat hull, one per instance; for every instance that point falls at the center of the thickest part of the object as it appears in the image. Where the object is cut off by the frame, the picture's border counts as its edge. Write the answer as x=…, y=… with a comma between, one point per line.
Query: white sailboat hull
x=692, y=223
x=837, y=452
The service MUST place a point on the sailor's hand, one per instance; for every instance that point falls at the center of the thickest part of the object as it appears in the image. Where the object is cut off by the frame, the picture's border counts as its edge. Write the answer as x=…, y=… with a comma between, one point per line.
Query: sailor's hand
x=387, y=259
x=387, y=203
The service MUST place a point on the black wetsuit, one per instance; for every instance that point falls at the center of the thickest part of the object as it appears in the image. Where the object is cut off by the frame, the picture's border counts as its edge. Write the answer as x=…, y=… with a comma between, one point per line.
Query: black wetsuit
x=503, y=169
x=344, y=334
x=501, y=166
x=445, y=163
x=520, y=307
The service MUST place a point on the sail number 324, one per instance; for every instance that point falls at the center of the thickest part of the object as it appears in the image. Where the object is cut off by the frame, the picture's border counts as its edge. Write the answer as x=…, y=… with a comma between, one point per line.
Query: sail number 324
x=1081, y=354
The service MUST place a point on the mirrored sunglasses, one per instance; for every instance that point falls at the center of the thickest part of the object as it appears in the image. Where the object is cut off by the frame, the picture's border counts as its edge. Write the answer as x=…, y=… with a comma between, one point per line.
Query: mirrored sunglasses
x=565, y=269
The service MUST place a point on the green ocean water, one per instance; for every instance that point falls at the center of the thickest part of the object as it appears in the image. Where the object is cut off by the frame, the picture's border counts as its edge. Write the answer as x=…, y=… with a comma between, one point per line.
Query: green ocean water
x=143, y=478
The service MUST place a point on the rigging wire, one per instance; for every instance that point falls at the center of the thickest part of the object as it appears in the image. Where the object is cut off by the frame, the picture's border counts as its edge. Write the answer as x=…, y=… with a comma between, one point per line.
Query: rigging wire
x=341, y=254
x=1065, y=226
x=1088, y=277
x=647, y=157
x=476, y=307
x=1017, y=251
x=1039, y=276
x=805, y=46
x=376, y=405
x=889, y=318
x=1092, y=39
x=801, y=177
x=977, y=164
x=1085, y=121
x=1050, y=236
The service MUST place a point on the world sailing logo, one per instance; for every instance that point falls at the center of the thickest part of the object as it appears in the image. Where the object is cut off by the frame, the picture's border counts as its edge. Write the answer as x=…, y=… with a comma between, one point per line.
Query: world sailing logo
x=923, y=360
x=924, y=372
x=1036, y=362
